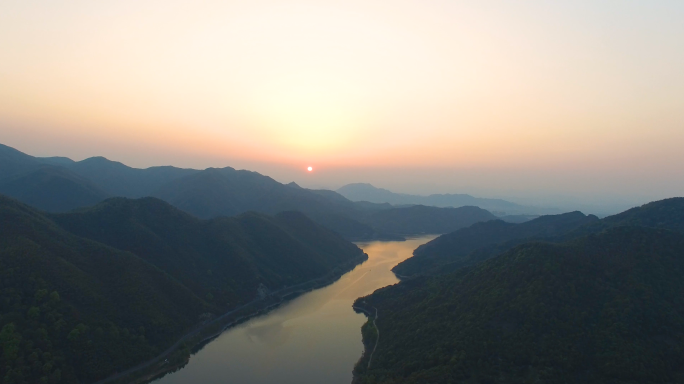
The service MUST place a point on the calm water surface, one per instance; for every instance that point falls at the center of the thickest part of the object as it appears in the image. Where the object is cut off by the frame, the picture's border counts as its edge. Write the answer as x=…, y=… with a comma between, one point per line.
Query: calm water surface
x=315, y=338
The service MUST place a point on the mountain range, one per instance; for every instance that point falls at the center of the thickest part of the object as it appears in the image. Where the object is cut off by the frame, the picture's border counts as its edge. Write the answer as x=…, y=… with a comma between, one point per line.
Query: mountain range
x=58, y=184
x=468, y=246
x=481, y=240
x=601, y=304
x=367, y=192
x=104, y=266
x=92, y=292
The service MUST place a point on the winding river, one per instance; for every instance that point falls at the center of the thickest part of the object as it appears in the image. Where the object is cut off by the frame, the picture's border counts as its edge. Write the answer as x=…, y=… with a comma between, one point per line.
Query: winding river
x=315, y=338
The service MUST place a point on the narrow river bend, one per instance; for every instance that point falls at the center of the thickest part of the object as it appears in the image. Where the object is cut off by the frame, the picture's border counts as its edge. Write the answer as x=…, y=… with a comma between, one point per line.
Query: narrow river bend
x=313, y=339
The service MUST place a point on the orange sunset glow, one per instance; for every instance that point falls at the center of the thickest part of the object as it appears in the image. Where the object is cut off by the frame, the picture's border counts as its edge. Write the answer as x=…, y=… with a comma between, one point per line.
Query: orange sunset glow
x=329, y=191
x=462, y=95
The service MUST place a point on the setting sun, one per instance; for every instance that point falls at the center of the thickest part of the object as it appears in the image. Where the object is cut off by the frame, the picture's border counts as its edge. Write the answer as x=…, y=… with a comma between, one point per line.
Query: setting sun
x=310, y=169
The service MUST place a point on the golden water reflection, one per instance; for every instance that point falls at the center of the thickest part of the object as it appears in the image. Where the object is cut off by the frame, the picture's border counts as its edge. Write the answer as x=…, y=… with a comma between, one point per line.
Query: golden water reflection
x=315, y=338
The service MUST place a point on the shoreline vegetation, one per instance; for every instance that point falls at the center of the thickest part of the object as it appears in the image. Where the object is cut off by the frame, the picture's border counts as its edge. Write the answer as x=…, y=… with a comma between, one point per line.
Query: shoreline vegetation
x=178, y=355
x=90, y=295
x=370, y=337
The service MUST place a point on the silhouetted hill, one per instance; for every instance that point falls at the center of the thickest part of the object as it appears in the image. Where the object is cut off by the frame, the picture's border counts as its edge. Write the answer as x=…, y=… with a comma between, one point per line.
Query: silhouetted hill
x=111, y=177
x=59, y=185
x=137, y=274
x=668, y=214
x=226, y=191
x=422, y=219
x=367, y=192
x=121, y=180
x=605, y=308
x=52, y=189
x=518, y=219
x=14, y=162
x=484, y=240
x=55, y=160
x=225, y=258
x=457, y=247
x=352, y=229
x=78, y=309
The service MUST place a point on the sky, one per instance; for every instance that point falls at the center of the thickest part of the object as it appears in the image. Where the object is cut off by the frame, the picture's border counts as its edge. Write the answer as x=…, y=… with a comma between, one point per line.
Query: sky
x=543, y=101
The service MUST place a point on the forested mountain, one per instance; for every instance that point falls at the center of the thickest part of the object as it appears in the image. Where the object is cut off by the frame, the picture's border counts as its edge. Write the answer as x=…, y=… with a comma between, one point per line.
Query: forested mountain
x=59, y=184
x=121, y=180
x=352, y=229
x=222, y=260
x=226, y=192
x=73, y=310
x=481, y=241
x=14, y=162
x=605, y=308
x=52, y=189
x=44, y=185
x=422, y=219
x=88, y=293
x=367, y=192
x=668, y=214
x=458, y=247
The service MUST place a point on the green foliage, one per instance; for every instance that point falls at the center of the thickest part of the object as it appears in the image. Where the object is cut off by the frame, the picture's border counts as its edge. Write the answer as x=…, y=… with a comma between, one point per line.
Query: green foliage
x=87, y=294
x=57, y=290
x=222, y=260
x=489, y=239
x=51, y=188
x=481, y=241
x=606, y=308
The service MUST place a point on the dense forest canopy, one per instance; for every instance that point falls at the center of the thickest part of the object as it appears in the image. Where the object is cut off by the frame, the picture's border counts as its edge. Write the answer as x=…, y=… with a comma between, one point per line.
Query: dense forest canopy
x=472, y=245
x=605, y=308
x=89, y=293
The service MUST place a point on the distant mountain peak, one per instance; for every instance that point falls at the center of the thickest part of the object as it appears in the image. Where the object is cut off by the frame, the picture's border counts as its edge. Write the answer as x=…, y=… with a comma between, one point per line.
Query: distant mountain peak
x=101, y=161
x=55, y=160
x=368, y=192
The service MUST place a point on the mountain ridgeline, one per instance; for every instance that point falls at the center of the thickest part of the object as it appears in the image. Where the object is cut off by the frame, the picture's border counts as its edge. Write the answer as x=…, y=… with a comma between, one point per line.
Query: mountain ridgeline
x=92, y=292
x=483, y=240
x=367, y=192
x=458, y=249
x=58, y=184
x=104, y=266
x=601, y=309
x=604, y=305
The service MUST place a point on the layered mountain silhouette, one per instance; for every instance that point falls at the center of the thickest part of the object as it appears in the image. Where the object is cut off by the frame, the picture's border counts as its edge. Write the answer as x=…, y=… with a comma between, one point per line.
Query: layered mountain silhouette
x=459, y=247
x=601, y=307
x=95, y=291
x=58, y=184
x=481, y=241
x=422, y=219
x=367, y=192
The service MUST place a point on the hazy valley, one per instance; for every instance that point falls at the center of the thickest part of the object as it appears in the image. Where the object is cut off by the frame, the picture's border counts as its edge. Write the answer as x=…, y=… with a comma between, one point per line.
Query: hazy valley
x=341, y=192
x=95, y=270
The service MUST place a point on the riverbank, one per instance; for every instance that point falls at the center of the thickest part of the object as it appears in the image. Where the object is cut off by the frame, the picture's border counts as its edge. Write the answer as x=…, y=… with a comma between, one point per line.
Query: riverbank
x=178, y=355
x=311, y=339
x=370, y=337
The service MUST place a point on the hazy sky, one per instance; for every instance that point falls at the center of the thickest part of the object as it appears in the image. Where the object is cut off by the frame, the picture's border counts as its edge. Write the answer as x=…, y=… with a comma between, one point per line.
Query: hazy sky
x=577, y=98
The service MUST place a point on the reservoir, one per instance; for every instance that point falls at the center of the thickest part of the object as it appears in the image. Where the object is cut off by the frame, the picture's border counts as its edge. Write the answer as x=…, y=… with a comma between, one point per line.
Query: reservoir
x=313, y=339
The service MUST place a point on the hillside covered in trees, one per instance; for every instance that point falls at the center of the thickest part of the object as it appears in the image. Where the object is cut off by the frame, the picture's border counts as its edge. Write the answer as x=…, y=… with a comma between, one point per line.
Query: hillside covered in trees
x=457, y=248
x=604, y=308
x=481, y=241
x=86, y=294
